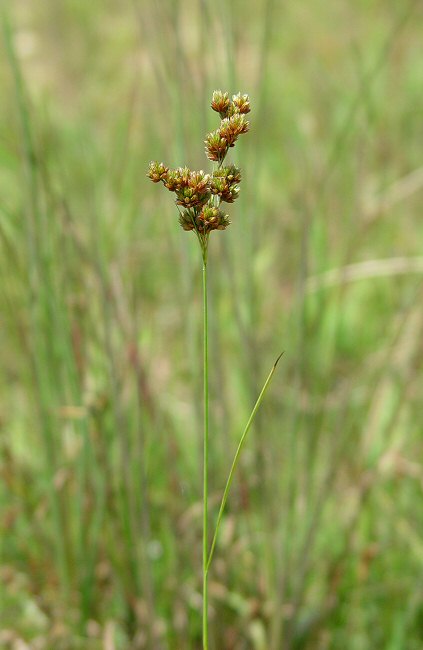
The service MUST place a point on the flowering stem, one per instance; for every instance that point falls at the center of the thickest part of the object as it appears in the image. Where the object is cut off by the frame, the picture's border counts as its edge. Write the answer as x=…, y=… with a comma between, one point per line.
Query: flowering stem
x=205, y=458
x=200, y=196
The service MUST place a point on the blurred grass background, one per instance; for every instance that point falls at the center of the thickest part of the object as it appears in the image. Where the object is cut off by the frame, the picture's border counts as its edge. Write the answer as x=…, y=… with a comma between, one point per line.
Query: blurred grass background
x=100, y=302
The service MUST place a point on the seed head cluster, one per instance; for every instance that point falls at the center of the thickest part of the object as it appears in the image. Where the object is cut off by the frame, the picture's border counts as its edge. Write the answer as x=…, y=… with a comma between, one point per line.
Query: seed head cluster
x=232, y=125
x=199, y=194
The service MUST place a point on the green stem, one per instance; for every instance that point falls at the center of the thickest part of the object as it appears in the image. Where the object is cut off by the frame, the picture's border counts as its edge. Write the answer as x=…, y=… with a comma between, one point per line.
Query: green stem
x=235, y=460
x=205, y=459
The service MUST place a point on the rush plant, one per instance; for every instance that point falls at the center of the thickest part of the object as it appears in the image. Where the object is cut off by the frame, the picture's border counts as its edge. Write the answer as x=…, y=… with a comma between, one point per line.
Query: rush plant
x=199, y=198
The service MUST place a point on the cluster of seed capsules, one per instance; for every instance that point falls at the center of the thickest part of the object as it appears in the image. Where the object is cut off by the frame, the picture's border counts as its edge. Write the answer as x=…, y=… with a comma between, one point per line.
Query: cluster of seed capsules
x=200, y=194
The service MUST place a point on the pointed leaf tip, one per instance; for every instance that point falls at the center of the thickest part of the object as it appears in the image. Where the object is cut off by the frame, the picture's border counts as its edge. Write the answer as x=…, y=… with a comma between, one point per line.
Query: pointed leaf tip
x=279, y=357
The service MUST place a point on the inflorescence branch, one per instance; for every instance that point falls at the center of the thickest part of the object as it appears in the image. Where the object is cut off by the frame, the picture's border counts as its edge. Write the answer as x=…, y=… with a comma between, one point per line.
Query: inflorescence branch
x=199, y=195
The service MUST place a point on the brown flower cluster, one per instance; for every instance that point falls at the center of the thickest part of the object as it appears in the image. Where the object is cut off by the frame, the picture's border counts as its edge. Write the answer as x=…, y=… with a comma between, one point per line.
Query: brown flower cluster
x=200, y=194
x=233, y=124
x=226, y=107
x=208, y=219
x=224, y=183
x=191, y=188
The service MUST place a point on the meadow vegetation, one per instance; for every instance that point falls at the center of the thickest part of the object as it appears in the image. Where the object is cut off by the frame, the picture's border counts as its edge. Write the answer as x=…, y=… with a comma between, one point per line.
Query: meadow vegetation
x=321, y=546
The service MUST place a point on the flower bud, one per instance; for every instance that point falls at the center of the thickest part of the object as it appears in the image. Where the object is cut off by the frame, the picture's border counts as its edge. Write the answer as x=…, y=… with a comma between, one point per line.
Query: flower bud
x=216, y=146
x=157, y=172
x=172, y=181
x=232, y=127
x=192, y=188
x=241, y=103
x=224, y=183
x=220, y=103
x=211, y=218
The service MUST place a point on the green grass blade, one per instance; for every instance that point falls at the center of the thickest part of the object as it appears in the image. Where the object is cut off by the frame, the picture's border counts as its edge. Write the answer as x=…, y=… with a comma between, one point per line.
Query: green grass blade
x=236, y=457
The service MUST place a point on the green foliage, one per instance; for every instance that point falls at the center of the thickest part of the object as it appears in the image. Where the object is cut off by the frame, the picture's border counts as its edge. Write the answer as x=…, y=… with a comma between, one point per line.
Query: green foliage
x=100, y=390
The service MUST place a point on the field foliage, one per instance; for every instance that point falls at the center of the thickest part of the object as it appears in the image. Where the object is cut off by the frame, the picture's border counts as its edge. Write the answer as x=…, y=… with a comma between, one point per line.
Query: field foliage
x=100, y=330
